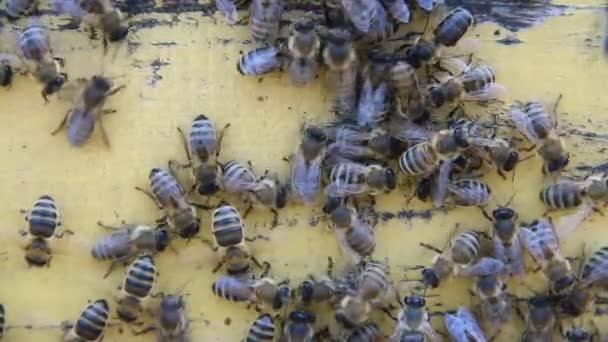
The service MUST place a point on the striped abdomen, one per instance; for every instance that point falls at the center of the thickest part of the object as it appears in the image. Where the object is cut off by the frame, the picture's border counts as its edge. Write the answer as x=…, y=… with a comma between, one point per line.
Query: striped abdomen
x=368, y=332
x=562, y=195
x=43, y=218
x=92, y=321
x=361, y=240
x=140, y=277
x=346, y=174
x=470, y=192
x=238, y=178
x=374, y=280
x=403, y=79
x=418, y=159
x=232, y=289
x=227, y=226
x=164, y=186
x=262, y=329
x=595, y=271
x=34, y=42
x=265, y=19
x=478, y=78
x=203, y=138
x=454, y=26
x=114, y=246
x=539, y=118
x=465, y=247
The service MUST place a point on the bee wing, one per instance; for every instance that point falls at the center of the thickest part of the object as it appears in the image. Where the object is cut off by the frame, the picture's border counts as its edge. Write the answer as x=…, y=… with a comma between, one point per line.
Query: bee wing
x=302, y=71
x=360, y=13
x=453, y=65
x=306, y=177
x=493, y=91
x=80, y=125
x=441, y=185
x=431, y=334
x=523, y=123
x=398, y=10
x=485, y=266
x=491, y=143
x=568, y=223
x=514, y=258
x=415, y=135
x=379, y=100
x=538, y=237
x=365, y=108
x=350, y=151
x=228, y=10
x=70, y=7
x=335, y=190
x=72, y=90
x=463, y=193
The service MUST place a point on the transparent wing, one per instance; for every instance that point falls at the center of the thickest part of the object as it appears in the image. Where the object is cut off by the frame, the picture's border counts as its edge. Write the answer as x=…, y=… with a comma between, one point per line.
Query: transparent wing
x=335, y=190
x=441, y=185
x=228, y=10
x=485, y=266
x=474, y=332
x=568, y=223
x=350, y=151
x=598, y=272
x=365, y=108
x=360, y=13
x=523, y=123
x=514, y=258
x=430, y=333
x=493, y=91
x=455, y=327
x=465, y=194
x=306, y=178
x=80, y=125
x=415, y=135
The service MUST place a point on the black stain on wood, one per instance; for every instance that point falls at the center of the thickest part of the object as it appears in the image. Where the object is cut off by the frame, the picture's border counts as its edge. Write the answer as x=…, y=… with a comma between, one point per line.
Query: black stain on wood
x=156, y=76
x=509, y=40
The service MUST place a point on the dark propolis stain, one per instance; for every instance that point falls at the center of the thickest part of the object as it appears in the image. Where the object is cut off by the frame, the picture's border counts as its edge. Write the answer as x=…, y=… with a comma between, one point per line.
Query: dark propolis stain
x=156, y=76
x=509, y=40
x=512, y=14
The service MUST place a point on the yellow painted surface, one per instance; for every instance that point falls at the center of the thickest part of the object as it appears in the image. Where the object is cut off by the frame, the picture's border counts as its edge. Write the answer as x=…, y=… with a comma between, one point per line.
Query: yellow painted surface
x=95, y=183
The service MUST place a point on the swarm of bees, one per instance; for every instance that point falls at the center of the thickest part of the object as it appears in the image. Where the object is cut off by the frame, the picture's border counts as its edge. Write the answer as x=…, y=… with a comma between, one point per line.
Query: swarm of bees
x=399, y=117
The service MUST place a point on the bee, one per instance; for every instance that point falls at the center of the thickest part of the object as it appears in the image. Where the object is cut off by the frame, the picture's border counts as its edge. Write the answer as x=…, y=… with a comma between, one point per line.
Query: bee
x=420, y=159
x=341, y=58
x=35, y=46
x=360, y=13
x=426, y=5
x=237, y=178
x=170, y=198
x=96, y=14
x=469, y=192
x=381, y=27
x=262, y=329
x=568, y=193
x=228, y=10
x=369, y=332
x=354, y=234
x=259, y=61
x=360, y=144
x=580, y=334
x=475, y=84
x=448, y=32
x=398, y=10
x=173, y=323
x=18, y=8
x=136, y=288
x=91, y=323
x=265, y=19
x=355, y=179
x=539, y=127
x=494, y=303
x=413, y=323
x=317, y=289
x=129, y=240
x=87, y=110
x=306, y=165
x=304, y=47
x=229, y=238
x=541, y=319
x=505, y=237
x=204, y=144
x=263, y=292
x=299, y=326
x=462, y=326
x=352, y=311
x=542, y=242
x=43, y=220
x=405, y=86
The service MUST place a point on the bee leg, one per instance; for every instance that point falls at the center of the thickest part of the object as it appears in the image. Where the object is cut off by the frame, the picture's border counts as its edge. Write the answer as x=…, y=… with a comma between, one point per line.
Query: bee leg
x=116, y=90
x=388, y=312
x=185, y=144
x=99, y=223
x=330, y=267
x=486, y=215
x=144, y=331
x=501, y=174
x=201, y=206
x=266, y=268
x=248, y=210
x=62, y=123
x=256, y=262
x=105, y=44
x=147, y=193
x=275, y=218
x=220, y=139
x=63, y=232
x=23, y=232
x=218, y=266
x=113, y=266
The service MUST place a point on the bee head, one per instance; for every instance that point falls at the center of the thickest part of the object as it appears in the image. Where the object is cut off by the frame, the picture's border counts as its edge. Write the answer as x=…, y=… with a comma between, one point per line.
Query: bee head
x=331, y=204
x=341, y=217
x=302, y=316
x=414, y=301
x=503, y=213
x=575, y=335
x=430, y=278
x=281, y=298
x=54, y=84
x=207, y=181
x=187, y=224
x=304, y=26
x=316, y=134
x=101, y=83
x=556, y=164
x=436, y=96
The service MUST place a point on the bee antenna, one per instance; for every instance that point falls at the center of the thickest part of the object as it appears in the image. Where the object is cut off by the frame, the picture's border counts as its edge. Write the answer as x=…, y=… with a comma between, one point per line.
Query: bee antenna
x=181, y=290
x=510, y=199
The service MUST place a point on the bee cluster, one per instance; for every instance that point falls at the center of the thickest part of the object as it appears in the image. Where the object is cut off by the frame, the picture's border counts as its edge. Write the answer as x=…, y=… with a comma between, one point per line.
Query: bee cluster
x=395, y=107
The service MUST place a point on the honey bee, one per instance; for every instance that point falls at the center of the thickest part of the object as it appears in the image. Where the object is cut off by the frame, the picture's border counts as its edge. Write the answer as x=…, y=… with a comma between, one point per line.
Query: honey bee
x=18, y=8
x=541, y=319
x=228, y=10
x=265, y=19
x=204, y=143
x=87, y=110
x=542, y=243
x=136, y=288
x=341, y=58
x=360, y=13
x=229, y=238
x=398, y=10
x=262, y=329
x=533, y=121
x=426, y=5
x=507, y=247
x=475, y=84
x=299, y=326
x=317, y=289
x=462, y=326
x=469, y=192
x=35, y=46
x=369, y=332
x=306, y=165
x=259, y=61
x=91, y=323
x=129, y=240
x=355, y=237
x=360, y=144
x=173, y=323
x=354, y=179
x=381, y=27
x=96, y=14
x=420, y=159
x=567, y=193
x=268, y=193
x=237, y=178
x=261, y=293
x=494, y=303
x=170, y=198
x=43, y=220
x=304, y=47
x=405, y=86
x=448, y=33
x=413, y=323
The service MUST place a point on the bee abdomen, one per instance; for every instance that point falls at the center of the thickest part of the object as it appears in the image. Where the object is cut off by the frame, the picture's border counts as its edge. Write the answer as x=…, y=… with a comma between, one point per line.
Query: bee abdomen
x=376, y=274
x=368, y=332
x=164, y=185
x=478, y=78
x=92, y=321
x=203, y=135
x=2, y=320
x=477, y=192
x=107, y=249
x=231, y=289
x=403, y=78
x=596, y=263
x=259, y=61
x=43, y=218
x=227, y=226
x=561, y=196
x=140, y=277
x=418, y=159
x=465, y=247
x=454, y=26
x=361, y=242
x=262, y=329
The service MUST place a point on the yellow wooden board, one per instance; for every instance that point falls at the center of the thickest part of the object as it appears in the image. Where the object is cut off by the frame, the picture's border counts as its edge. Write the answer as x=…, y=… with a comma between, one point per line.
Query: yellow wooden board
x=185, y=65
